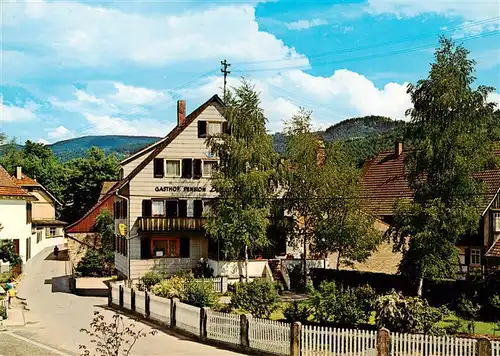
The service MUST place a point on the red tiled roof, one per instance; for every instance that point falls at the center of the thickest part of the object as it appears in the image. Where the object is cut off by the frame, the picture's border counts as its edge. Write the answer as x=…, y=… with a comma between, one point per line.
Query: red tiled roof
x=384, y=182
x=25, y=180
x=8, y=188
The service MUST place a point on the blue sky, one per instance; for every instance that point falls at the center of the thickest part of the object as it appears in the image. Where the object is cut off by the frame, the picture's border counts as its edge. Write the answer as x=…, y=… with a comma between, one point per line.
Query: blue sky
x=71, y=68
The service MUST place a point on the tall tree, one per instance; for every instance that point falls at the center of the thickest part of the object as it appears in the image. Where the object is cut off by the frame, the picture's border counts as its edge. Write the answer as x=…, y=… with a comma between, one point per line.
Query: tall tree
x=239, y=218
x=343, y=228
x=451, y=137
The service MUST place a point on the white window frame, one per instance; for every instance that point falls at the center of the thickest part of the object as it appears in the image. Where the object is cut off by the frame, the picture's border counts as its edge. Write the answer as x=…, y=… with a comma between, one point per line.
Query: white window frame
x=152, y=207
x=214, y=162
x=496, y=222
x=475, y=253
x=179, y=161
x=213, y=123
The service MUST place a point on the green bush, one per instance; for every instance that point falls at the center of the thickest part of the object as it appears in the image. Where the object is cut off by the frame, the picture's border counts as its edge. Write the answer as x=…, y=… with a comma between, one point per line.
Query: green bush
x=203, y=270
x=408, y=314
x=258, y=297
x=200, y=293
x=469, y=309
x=94, y=264
x=170, y=288
x=3, y=312
x=344, y=305
x=297, y=311
x=150, y=279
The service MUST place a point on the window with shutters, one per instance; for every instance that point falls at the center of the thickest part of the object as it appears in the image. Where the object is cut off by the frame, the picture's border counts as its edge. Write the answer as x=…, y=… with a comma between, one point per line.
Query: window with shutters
x=158, y=208
x=147, y=208
x=475, y=256
x=197, y=208
x=165, y=247
x=208, y=168
x=187, y=168
x=172, y=168
x=197, y=169
x=171, y=208
x=202, y=129
x=159, y=168
x=214, y=128
x=183, y=208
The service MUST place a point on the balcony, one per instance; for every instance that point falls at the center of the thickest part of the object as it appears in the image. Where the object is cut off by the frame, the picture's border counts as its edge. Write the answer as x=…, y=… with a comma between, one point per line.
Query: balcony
x=170, y=224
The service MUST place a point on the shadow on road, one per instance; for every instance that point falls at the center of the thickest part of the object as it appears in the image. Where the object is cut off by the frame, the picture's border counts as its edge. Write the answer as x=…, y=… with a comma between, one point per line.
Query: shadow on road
x=61, y=256
x=59, y=284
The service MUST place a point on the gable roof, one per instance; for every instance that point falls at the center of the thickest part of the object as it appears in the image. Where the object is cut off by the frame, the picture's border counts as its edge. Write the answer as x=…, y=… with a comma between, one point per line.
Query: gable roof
x=26, y=181
x=384, y=182
x=87, y=222
x=163, y=143
x=9, y=188
x=106, y=186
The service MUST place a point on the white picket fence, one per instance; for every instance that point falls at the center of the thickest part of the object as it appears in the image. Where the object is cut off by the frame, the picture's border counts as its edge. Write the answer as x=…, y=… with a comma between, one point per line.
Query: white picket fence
x=216, y=283
x=316, y=341
x=425, y=345
x=495, y=348
x=187, y=318
x=159, y=309
x=270, y=336
x=223, y=327
x=115, y=293
x=140, y=303
x=127, y=298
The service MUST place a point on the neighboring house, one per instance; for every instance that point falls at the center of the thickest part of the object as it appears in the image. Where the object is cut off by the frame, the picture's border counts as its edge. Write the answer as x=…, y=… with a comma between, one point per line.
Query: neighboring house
x=46, y=230
x=15, y=215
x=384, y=182
x=82, y=233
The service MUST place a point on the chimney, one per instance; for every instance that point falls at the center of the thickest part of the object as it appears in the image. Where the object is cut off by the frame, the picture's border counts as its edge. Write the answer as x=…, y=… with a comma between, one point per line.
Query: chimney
x=19, y=173
x=320, y=154
x=398, y=148
x=181, y=112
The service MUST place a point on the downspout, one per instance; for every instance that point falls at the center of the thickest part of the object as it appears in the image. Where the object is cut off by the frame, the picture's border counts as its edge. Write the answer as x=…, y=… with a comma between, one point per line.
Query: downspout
x=128, y=230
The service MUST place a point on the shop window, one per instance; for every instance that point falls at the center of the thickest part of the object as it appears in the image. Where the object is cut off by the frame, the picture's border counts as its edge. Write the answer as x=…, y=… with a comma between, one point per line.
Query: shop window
x=159, y=168
x=165, y=247
x=172, y=168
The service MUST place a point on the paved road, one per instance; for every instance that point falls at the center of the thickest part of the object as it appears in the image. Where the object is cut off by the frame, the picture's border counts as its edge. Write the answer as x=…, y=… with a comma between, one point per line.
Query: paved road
x=55, y=318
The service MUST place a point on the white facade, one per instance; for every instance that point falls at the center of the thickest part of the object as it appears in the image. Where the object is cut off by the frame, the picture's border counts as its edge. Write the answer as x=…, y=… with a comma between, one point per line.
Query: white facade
x=13, y=224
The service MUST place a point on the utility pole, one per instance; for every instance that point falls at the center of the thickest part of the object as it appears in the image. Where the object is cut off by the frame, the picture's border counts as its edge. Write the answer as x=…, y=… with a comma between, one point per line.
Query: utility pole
x=224, y=70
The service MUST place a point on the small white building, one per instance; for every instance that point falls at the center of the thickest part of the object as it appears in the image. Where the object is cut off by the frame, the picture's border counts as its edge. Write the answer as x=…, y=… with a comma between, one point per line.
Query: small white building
x=15, y=216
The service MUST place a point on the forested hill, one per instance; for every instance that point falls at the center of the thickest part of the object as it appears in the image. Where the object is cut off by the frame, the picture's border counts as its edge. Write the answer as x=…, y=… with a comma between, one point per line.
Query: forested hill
x=363, y=137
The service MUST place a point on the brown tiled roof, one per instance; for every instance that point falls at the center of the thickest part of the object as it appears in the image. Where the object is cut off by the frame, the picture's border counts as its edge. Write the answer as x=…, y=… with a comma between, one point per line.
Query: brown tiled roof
x=47, y=222
x=106, y=186
x=166, y=141
x=25, y=181
x=8, y=187
x=494, y=250
x=384, y=182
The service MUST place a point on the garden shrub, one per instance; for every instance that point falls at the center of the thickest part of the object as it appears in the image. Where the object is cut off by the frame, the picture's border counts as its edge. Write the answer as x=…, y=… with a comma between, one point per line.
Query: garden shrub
x=297, y=311
x=469, y=310
x=408, y=314
x=3, y=312
x=170, y=288
x=200, y=293
x=296, y=274
x=258, y=297
x=222, y=308
x=94, y=264
x=203, y=270
x=150, y=279
x=343, y=305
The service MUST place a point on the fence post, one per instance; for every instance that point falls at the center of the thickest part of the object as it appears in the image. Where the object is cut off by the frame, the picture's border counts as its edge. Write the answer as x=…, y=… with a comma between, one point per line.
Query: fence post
x=203, y=323
x=173, y=308
x=110, y=296
x=383, y=343
x=295, y=333
x=244, y=330
x=483, y=347
x=120, y=296
x=223, y=284
x=146, y=304
x=132, y=299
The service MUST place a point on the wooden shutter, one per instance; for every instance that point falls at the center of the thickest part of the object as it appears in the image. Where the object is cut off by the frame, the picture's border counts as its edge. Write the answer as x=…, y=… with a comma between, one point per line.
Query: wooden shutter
x=197, y=169
x=147, y=208
x=197, y=208
x=184, y=247
x=182, y=208
x=159, y=168
x=187, y=168
x=145, y=247
x=467, y=256
x=29, y=213
x=202, y=129
x=16, y=246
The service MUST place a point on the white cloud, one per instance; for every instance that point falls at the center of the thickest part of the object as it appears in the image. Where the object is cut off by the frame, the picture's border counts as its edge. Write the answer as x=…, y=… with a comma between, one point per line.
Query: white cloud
x=494, y=98
x=44, y=141
x=60, y=132
x=11, y=113
x=136, y=95
x=464, y=9
x=75, y=34
x=305, y=24
x=109, y=125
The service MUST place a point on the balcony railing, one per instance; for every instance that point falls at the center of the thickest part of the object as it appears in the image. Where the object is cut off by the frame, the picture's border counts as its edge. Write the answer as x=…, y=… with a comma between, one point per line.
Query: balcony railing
x=170, y=224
